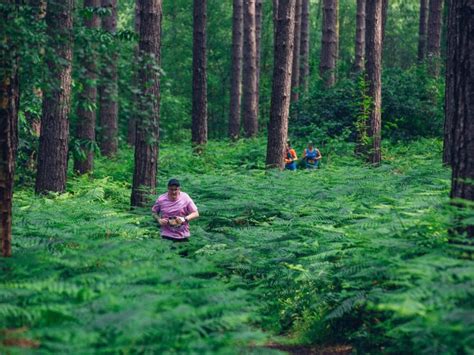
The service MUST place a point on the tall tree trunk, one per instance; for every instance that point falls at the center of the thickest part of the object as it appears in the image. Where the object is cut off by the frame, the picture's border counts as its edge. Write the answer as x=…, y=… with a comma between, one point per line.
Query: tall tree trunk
x=86, y=111
x=423, y=29
x=132, y=123
x=108, y=89
x=148, y=123
x=373, y=68
x=199, y=114
x=385, y=5
x=360, y=37
x=249, y=90
x=460, y=109
x=295, y=77
x=236, y=81
x=434, y=36
x=9, y=100
x=258, y=41
x=329, y=43
x=304, y=46
x=449, y=96
x=53, y=142
x=280, y=104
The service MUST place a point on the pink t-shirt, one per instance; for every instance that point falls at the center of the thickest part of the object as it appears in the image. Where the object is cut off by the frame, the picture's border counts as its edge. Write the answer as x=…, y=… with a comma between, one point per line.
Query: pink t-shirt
x=166, y=208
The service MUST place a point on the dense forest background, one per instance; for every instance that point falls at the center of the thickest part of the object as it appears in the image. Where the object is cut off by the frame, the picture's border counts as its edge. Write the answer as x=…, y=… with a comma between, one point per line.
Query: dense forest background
x=361, y=255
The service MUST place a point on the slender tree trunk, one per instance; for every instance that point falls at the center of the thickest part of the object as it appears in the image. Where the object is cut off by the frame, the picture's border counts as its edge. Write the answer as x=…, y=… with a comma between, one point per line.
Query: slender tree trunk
x=258, y=41
x=295, y=77
x=108, y=89
x=423, y=29
x=450, y=100
x=249, y=90
x=434, y=36
x=360, y=38
x=86, y=111
x=148, y=123
x=385, y=5
x=132, y=123
x=236, y=81
x=460, y=109
x=327, y=67
x=280, y=104
x=53, y=142
x=373, y=68
x=304, y=46
x=199, y=120
x=9, y=101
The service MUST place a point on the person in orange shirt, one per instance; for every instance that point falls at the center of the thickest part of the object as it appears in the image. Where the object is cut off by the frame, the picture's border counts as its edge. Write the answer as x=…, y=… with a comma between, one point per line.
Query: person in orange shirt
x=290, y=157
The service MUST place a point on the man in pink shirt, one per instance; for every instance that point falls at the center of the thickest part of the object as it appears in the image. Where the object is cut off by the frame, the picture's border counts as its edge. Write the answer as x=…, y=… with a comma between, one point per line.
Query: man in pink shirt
x=173, y=211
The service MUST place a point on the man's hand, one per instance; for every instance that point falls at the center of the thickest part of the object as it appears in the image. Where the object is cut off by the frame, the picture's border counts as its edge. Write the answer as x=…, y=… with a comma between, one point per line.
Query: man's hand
x=180, y=219
x=163, y=221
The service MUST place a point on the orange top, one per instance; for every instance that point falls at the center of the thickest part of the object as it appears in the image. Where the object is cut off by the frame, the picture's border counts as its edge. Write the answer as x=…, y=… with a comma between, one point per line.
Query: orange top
x=290, y=156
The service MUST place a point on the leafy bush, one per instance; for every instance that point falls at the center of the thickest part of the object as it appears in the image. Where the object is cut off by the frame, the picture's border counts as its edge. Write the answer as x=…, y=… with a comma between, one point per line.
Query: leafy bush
x=412, y=106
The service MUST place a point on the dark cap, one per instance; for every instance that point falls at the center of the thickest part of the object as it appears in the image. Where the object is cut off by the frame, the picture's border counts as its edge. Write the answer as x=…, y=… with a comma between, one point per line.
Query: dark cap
x=174, y=182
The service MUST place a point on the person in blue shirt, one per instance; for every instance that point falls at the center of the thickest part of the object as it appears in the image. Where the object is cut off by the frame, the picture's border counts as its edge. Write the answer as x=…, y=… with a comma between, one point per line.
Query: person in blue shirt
x=311, y=156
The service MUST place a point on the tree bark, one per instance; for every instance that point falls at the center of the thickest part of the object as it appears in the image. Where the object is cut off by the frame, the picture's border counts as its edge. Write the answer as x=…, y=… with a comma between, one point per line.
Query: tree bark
x=373, y=68
x=236, y=80
x=86, y=111
x=147, y=134
x=108, y=89
x=449, y=96
x=281, y=88
x=53, y=142
x=9, y=102
x=423, y=29
x=360, y=38
x=249, y=82
x=132, y=123
x=304, y=46
x=199, y=110
x=295, y=77
x=434, y=36
x=460, y=109
x=258, y=41
x=329, y=43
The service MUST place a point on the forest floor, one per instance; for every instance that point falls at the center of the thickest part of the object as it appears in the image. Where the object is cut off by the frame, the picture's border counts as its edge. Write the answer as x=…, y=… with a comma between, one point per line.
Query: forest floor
x=346, y=256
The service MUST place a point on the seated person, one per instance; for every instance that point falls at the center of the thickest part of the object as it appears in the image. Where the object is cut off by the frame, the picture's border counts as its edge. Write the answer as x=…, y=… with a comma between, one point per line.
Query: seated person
x=311, y=156
x=290, y=157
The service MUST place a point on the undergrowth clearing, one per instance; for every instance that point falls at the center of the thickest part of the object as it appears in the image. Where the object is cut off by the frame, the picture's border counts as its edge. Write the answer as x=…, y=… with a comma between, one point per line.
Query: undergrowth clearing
x=348, y=254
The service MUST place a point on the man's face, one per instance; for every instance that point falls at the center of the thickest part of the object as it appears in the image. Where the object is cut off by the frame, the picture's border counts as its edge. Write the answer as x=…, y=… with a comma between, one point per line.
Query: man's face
x=173, y=192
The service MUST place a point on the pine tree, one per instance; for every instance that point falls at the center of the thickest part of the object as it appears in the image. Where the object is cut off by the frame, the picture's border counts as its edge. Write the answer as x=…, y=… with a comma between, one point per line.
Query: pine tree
x=147, y=134
x=423, y=28
x=460, y=106
x=108, y=89
x=9, y=100
x=280, y=104
x=199, y=110
x=86, y=112
x=373, y=68
x=53, y=145
x=249, y=82
x=329, y=43
x=295, y=77
x=435, y=20
x=360, y=37
x=236, y=74
x=304, y=46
